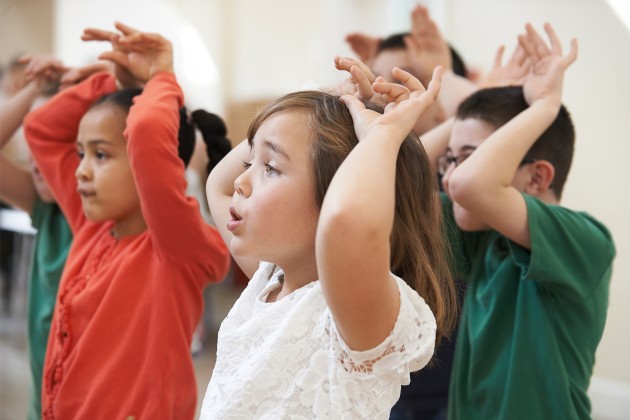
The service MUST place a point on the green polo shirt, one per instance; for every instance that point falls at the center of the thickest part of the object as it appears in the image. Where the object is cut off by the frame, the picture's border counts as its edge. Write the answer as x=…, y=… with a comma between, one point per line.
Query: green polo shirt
x=49, y=256
x=531, y=320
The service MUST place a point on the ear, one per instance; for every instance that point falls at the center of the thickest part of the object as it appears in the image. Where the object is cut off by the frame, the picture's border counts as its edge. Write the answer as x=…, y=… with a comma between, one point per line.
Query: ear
x=542, y=174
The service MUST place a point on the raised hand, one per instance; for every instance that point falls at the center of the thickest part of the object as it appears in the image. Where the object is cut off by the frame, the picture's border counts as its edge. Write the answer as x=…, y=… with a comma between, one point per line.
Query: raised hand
x=514, y=71
x=545, y=77
x=359, y=82
x=137, y=56
x=406, y=101
x=365, y=46
x=426, y=47
x=42, y=69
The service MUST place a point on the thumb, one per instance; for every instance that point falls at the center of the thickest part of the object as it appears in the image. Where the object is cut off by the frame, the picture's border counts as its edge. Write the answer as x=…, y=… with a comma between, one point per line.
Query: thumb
x=116, y=57
x=353, y=104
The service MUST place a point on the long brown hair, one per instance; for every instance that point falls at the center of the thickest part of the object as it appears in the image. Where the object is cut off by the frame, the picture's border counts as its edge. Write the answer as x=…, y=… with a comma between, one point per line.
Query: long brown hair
x=418, y=251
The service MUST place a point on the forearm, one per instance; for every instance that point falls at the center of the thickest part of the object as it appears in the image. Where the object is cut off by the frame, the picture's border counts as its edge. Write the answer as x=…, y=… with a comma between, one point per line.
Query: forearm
x=16, y=185
x=360, y=199
x=13, y=111
x=221, y=180
x=454, y=90
x=435, y=141
x=496, y=160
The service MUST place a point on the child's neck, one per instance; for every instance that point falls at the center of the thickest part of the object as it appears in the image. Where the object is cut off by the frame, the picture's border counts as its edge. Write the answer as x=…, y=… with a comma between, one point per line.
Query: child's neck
x=293, y=279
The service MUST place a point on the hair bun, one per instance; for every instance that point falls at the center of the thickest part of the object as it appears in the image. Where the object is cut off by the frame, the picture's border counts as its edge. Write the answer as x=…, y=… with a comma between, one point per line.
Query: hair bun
x=209, y=123
x=214, y=132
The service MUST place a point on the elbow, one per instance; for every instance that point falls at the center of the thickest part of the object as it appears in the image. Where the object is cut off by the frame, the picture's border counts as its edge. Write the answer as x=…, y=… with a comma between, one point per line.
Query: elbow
x=461, y=187
x=345, y=227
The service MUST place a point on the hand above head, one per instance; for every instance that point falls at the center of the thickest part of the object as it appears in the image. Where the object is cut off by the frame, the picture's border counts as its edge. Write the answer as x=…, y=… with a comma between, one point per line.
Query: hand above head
x=426, y=47
x=406, y=101
x=359, y=82
x=364, y=46
x=138, y=56
x=42, y=69
x=545, y=77
x=512, y=73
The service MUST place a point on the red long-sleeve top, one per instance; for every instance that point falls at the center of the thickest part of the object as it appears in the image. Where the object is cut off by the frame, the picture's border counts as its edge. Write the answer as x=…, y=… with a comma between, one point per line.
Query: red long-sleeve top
x=119, y=343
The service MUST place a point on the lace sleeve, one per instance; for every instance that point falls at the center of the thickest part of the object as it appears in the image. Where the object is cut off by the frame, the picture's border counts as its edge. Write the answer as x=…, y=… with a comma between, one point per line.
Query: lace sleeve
x=408, y=348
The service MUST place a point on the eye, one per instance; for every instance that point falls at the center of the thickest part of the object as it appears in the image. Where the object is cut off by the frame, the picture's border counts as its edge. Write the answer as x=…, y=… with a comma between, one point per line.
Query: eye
x=81, y=154
x=270, y=170
x=246, y=165
x=100, y=155
x=459, y=159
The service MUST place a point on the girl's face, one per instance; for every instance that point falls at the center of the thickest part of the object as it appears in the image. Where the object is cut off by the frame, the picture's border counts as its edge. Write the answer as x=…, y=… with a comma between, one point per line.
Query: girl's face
x=104, y=177
x=274, y=213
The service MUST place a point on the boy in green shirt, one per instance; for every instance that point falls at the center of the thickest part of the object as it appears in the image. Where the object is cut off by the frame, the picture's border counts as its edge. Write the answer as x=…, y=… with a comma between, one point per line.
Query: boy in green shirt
x=538, y=274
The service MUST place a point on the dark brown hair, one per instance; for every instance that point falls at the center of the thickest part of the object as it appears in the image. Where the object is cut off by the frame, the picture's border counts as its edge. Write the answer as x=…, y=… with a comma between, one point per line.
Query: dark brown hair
x=497, y=106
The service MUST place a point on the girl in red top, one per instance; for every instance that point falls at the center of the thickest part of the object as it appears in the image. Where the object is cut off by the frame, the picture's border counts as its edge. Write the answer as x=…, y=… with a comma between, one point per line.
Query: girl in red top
x=131, y=293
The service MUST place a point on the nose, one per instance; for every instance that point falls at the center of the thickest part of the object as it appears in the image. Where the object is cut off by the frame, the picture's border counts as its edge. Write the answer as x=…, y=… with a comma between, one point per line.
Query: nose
x=83, y=172
x=242, y=184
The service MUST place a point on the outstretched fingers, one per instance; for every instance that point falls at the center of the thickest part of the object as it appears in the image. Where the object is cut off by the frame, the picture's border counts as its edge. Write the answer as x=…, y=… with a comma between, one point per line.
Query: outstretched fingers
x=556, y=46
x=93, y=34
x=141, y=41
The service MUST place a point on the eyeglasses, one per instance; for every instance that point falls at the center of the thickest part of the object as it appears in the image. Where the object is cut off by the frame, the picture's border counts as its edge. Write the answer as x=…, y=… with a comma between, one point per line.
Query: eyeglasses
x=444, y=162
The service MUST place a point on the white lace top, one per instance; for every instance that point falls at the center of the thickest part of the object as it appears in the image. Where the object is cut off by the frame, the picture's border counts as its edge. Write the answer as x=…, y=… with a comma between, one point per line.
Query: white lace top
x=286, y=359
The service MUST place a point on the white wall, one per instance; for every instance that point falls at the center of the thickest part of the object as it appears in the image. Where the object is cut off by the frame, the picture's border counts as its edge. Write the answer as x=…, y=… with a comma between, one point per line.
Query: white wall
x=267, y=48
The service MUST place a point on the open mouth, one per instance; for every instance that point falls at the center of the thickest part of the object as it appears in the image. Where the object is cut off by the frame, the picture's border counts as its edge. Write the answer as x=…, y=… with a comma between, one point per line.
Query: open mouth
x=234, y=214
x=85, y=193
x=235, y=220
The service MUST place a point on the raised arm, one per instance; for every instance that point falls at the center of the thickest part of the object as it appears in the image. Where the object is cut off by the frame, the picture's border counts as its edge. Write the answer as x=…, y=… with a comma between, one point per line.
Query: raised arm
x=483, y=183
x=220, y=189
x=428, y=49
x=51, y=132
x=16, y=184
x=356, y=219
x=173, y=219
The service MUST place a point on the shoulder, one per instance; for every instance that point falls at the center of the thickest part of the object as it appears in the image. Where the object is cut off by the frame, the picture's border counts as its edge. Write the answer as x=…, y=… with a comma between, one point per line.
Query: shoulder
x=551, y=223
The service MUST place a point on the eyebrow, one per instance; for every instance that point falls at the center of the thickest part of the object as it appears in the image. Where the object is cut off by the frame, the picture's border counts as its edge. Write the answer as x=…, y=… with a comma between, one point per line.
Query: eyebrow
x=97, y=142
x=276, y=149
x=465, y=148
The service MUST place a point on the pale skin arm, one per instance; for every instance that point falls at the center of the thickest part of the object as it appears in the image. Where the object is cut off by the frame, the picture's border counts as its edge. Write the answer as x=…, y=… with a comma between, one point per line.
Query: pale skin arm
x=356, y=219
x=220, y=189
x=483, y=183
x=16, y=184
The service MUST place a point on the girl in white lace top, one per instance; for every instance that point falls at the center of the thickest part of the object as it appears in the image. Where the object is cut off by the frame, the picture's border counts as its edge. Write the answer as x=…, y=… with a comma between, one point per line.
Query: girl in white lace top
x=327, y=207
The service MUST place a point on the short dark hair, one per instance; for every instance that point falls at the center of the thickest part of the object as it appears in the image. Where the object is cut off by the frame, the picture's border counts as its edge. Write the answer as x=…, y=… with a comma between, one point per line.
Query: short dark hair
x=397, y=42
x=497, y=106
